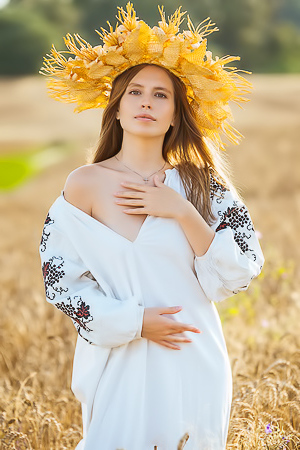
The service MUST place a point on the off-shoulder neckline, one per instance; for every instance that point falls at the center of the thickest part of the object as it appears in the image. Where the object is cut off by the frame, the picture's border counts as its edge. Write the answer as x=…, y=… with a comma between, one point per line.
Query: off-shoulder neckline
x=87, y=216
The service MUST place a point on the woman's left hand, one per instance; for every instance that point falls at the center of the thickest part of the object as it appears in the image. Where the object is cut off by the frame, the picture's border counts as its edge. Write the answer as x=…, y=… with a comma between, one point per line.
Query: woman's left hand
x=158, y=200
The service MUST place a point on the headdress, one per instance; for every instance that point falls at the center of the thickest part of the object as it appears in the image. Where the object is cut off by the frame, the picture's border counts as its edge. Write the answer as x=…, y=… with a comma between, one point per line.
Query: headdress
x=86, y=78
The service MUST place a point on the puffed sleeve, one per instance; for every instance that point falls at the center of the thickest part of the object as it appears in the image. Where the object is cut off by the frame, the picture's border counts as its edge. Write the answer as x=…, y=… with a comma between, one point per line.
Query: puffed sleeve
x=234, y=257
x=99, y=319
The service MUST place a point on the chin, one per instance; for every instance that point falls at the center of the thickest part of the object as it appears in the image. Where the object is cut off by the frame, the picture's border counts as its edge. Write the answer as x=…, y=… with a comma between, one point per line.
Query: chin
x=144, y=133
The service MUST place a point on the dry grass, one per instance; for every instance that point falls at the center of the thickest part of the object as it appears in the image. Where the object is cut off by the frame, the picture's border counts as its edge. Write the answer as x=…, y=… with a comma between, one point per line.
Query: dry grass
x=38, y=410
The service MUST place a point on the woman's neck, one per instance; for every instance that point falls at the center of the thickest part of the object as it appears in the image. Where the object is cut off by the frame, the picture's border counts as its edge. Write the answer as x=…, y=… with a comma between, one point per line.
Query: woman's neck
x=142, y=154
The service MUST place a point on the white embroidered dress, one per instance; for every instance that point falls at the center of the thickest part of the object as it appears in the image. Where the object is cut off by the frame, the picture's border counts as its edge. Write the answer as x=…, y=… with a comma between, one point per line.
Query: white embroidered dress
x=135, y=393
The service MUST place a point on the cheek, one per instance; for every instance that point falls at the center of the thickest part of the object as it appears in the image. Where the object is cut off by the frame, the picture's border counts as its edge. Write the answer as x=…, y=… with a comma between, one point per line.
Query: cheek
x=122, y=105
x=128, y=107
x=125, y=102
x=168, y=111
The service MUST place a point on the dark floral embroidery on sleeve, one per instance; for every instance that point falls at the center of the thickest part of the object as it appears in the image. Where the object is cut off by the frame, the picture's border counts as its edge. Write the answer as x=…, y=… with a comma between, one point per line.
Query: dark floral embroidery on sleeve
x=79, y=332
x=52, y=274
x=217, y=189
x=238, y=219
x=80, y=314
x=45, y=235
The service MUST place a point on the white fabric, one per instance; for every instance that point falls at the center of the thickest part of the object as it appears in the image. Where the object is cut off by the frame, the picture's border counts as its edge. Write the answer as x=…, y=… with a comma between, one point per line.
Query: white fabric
x=136, y=394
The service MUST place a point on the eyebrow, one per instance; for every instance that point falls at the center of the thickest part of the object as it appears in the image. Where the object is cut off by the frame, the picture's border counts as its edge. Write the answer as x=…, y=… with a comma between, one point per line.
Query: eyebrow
x=157, y=87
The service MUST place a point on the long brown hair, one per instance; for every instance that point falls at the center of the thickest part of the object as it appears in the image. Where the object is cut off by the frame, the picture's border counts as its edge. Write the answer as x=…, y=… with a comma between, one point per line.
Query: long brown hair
x=183, y=144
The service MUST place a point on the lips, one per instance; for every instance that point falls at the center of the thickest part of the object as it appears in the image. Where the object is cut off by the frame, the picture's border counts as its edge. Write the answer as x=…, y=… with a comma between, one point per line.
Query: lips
x=144, y=116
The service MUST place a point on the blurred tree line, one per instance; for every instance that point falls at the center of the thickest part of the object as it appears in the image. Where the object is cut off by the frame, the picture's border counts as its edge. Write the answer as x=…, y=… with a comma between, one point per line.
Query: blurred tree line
x=265, y=33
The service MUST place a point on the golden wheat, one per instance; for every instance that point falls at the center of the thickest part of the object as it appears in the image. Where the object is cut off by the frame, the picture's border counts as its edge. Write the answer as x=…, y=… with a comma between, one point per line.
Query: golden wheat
x=261, y=325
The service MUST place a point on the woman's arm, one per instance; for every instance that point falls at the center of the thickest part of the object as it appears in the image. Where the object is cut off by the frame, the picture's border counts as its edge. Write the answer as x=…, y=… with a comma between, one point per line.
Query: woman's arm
x=70, y=286
x=194, y=226
x=227, y=255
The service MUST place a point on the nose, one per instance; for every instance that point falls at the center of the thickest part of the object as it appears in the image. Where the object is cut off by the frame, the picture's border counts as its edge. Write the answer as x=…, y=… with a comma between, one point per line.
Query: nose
x=145, y=101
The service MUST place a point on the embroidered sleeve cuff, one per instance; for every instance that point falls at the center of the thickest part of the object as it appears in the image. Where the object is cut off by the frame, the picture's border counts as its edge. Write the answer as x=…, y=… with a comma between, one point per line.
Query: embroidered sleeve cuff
x=224, y=269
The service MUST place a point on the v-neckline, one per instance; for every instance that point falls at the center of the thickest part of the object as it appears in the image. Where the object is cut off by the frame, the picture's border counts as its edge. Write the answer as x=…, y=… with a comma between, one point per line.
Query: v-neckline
x=89, y=217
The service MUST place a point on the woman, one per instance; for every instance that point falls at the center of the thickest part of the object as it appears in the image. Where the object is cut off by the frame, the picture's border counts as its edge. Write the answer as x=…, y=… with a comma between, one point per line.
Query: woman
x=136, y=250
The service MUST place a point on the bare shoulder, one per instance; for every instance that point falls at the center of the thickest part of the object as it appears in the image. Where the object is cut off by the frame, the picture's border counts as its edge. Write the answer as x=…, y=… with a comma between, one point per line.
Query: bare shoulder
x=78, y=189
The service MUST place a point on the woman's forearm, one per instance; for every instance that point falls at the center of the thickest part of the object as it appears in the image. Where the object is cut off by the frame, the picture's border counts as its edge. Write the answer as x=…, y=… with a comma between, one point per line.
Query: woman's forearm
x=197, y=231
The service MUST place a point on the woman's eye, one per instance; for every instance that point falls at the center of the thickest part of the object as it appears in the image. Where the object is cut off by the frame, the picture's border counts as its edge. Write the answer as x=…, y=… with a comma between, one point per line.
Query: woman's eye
x=161, y=94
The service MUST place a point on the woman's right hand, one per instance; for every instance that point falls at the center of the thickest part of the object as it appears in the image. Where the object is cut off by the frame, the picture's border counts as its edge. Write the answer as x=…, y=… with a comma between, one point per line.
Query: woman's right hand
x=163, y=330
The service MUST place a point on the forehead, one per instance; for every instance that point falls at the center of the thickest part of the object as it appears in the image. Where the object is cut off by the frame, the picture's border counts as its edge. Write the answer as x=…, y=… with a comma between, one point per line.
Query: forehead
x=153, y=76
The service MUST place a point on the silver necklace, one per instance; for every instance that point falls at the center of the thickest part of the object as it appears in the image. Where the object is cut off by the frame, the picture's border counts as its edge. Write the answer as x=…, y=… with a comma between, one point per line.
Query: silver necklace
x=147, y=178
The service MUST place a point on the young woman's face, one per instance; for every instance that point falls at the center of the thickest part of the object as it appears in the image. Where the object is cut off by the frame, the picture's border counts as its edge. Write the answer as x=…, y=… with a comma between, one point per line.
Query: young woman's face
x=150, y=92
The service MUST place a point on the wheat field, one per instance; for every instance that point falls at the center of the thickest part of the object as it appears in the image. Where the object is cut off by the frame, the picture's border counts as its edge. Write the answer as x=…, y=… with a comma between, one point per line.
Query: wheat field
x=261, y=325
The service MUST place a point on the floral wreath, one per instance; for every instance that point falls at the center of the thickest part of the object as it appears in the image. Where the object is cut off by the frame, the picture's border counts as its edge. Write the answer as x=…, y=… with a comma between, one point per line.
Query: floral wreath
x=86, y=79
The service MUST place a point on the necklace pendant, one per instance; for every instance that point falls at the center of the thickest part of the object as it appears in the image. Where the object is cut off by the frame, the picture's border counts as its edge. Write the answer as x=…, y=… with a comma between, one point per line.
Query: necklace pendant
x=146, y=180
